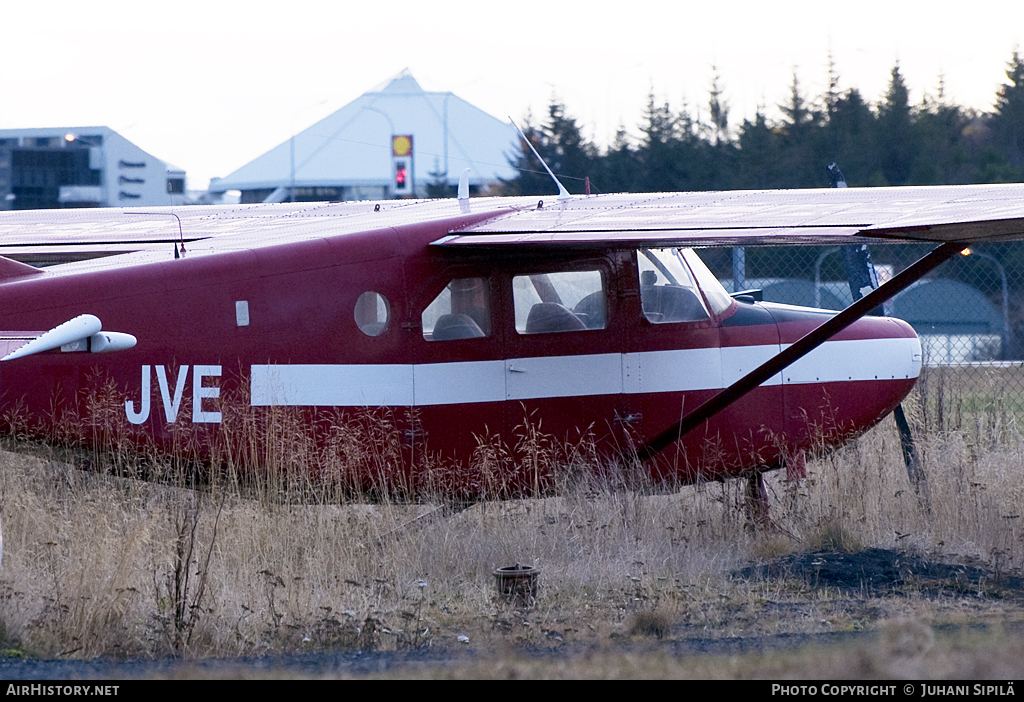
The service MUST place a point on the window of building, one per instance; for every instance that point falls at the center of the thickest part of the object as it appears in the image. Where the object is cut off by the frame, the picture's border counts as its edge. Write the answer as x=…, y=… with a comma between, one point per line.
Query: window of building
x=559, y=302
x=176, y=186
x=38, y=174
x=461, y=311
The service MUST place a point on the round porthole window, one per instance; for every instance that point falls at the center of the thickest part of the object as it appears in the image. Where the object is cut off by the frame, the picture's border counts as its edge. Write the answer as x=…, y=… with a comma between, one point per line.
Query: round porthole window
x=372, y=313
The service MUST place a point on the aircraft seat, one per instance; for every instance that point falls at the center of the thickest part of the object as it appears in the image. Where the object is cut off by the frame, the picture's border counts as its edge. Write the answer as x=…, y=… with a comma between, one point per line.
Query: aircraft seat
x=672, y=303
x=450, y=327
x=546, y=317
x=591, y=310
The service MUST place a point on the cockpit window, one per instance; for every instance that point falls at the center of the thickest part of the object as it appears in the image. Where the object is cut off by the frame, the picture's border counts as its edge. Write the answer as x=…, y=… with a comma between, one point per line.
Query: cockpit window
x=668, y=292
x=559, y=302
x=461, y=311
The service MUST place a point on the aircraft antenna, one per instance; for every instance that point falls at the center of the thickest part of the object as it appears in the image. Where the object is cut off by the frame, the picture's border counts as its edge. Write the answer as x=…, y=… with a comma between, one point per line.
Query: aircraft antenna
x=563, y=194
x=181, y=234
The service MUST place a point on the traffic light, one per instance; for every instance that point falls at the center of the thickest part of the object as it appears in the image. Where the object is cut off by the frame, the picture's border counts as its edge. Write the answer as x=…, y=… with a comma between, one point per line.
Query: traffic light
x=401, y=178
x=401, y=161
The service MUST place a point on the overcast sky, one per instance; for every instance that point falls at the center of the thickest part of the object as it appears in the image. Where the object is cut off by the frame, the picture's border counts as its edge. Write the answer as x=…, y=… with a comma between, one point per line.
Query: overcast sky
x=208, y=86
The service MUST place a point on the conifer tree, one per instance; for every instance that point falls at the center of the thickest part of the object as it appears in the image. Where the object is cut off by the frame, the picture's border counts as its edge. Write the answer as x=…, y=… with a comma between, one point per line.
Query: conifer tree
x=759, y=154
x=896, y=144
x=561, y=144
x=892, y=143
x=942, y=156
x=851, y=137
x=659, y=151
x=803, y=161
x=1008, y=121
x=621, y=166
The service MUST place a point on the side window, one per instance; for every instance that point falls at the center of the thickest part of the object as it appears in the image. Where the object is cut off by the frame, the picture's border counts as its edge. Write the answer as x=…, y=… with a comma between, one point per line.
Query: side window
x=372, y=313
x=461, y=311
x=559, y=302
x=667, y=290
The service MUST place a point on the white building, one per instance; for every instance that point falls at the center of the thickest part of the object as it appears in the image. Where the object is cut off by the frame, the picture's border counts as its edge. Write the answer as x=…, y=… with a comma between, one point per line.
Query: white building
x=356, y=152
x=57, y=167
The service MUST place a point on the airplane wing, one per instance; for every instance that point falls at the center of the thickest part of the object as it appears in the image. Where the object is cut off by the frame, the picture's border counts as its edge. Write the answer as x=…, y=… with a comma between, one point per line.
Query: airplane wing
x=60, y=236
x=966, y=214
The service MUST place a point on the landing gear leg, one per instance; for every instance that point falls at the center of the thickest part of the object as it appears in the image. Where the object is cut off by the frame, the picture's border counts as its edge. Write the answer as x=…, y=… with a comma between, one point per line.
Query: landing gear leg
x=915, y=471
x=757, y=502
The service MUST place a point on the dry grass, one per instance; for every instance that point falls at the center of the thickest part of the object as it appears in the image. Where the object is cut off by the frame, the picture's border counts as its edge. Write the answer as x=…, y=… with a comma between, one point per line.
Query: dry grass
x=108, y=564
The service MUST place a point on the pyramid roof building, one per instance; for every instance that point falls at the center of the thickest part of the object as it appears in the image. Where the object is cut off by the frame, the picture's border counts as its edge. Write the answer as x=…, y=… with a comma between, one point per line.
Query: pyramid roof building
x=348, y=155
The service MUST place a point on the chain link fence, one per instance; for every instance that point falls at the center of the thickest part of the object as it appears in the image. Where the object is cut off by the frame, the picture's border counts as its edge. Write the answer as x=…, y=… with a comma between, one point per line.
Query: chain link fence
x=969, y=314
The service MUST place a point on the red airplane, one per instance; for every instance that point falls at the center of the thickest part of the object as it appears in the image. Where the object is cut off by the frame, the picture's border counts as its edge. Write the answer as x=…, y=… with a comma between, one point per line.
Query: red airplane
x=453, y=346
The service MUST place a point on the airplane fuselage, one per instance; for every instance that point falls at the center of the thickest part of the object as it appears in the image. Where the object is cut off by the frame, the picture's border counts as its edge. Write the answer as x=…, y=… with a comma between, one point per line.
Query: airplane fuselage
x=431, y=368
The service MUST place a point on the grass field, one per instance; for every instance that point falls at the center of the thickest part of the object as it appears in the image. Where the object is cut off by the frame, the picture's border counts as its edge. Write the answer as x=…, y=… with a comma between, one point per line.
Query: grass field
x=100, y=563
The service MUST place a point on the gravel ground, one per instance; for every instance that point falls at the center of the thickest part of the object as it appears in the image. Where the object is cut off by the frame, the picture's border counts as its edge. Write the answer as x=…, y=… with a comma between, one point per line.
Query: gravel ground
x=868, y=581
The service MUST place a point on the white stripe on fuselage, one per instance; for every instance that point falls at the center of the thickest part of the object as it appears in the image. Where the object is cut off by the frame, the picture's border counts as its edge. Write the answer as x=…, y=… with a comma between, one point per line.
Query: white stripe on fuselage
x=406, y=385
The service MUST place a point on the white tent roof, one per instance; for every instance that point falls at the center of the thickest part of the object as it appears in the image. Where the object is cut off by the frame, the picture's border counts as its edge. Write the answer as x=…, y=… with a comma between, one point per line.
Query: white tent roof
x=352, y=147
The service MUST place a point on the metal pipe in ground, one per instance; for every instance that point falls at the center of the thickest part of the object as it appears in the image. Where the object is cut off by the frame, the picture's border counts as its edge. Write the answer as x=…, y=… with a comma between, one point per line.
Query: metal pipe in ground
x=517, y=584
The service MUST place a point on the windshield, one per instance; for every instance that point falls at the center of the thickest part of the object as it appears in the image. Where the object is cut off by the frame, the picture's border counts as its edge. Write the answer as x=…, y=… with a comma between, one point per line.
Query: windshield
x=714, y=293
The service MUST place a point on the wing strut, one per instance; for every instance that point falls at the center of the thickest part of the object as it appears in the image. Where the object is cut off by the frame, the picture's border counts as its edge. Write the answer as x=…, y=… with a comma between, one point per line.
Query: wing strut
x=798, y=350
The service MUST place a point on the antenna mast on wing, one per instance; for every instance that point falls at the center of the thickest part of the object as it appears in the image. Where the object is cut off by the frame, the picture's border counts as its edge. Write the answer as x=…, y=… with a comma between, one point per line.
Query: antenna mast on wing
x=563, y=194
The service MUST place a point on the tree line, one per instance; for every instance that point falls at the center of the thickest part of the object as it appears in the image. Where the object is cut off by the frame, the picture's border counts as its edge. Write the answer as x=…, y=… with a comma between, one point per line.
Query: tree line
x=891, y=142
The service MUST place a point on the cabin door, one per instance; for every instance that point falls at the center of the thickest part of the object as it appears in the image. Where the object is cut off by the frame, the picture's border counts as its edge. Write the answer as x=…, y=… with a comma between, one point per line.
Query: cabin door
x=459, y=381
x=563, y=360
x=675, y=361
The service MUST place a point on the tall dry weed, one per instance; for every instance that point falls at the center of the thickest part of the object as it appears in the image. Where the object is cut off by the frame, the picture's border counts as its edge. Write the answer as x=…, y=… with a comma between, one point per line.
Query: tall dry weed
x=137, y=557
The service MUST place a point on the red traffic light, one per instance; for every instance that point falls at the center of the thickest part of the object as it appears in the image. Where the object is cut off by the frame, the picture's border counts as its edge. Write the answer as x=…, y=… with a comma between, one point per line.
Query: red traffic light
x=402, y=172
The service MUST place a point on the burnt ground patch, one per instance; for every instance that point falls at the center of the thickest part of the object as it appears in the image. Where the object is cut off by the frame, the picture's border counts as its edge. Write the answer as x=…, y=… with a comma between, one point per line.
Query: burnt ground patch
x=876, y=572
